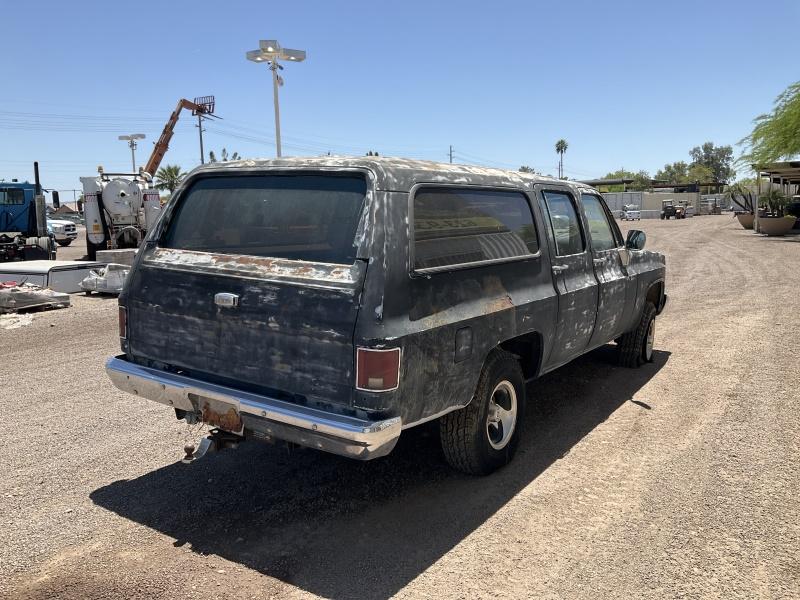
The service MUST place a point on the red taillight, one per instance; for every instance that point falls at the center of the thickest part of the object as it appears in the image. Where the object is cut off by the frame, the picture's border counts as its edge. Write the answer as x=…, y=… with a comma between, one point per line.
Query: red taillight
x=377, y=370
x=123, y=323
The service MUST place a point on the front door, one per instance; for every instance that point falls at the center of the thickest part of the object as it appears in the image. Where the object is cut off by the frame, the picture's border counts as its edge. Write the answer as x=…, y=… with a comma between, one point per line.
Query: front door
x=571, y=262
x=615, y=299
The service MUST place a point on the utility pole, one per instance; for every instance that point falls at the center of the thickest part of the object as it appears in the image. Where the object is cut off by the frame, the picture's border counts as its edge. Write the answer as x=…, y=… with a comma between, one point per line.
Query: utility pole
x=203, y=106
x=451, y=154
x=200, y=129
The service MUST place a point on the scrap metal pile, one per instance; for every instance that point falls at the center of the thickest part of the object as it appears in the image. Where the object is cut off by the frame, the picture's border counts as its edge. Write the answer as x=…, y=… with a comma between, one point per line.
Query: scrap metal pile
x=20, y=296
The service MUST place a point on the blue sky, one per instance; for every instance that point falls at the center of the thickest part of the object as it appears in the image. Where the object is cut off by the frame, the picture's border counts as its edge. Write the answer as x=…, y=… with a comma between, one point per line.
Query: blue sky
x=633, y=84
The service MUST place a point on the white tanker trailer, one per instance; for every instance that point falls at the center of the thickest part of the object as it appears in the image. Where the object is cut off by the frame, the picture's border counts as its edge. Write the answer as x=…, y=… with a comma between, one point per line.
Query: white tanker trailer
x=120, y=208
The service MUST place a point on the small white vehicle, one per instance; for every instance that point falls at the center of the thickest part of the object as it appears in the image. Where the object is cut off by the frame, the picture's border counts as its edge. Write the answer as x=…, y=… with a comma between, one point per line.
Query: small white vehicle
x=64, y=231
x=631, y=212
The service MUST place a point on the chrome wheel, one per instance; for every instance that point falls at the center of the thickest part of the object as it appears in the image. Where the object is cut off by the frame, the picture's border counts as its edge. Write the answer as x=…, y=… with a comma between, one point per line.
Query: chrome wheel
x=502, y=415
x=648, y=342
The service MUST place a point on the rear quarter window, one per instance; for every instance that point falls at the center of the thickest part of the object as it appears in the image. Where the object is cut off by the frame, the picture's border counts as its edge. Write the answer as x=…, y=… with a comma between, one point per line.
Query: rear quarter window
x=461, y=225
x=299, y=216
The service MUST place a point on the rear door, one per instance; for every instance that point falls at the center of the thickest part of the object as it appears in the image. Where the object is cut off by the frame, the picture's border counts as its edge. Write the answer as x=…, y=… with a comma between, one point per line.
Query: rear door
x=573, y=274
x=615, y=291
x=253, y=280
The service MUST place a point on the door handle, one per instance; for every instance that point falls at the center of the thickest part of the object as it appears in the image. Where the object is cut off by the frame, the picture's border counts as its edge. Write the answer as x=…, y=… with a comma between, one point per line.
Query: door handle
x=598, y=261
x=559, y=268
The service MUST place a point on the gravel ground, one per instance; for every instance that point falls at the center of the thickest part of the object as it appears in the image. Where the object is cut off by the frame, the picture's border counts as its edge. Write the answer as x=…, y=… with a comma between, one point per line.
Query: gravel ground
x=679, y=479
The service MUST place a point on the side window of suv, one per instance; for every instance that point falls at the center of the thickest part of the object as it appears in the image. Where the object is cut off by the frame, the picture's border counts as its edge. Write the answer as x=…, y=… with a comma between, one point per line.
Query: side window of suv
x=462, y=225
x=564, y=223
x=600, y=230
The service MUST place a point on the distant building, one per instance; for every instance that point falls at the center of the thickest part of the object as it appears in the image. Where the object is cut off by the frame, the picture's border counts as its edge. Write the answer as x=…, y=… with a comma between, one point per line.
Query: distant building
x=65, y=209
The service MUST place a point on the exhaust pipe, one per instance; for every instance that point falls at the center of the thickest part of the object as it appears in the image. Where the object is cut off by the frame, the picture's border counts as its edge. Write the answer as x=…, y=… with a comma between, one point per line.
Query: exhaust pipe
x=41, y=213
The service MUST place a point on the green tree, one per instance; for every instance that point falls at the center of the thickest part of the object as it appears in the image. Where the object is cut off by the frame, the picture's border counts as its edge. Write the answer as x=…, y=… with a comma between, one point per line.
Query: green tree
x=561, y=148
x=641, y=181
x=717, y=159
x=212, y=158
x=169, y=178
x=699, y=173
x=676, y=172
x=372, y=153
x=527, y=169
x=776, y=135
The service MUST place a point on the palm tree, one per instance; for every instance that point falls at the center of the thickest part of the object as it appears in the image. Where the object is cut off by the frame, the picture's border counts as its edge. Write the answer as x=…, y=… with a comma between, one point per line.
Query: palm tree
x=561, y=147
x=169, y=177
x=212, y=158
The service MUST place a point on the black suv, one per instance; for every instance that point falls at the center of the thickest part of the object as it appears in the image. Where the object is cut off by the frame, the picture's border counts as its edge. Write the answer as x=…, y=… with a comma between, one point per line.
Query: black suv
x=333, y=302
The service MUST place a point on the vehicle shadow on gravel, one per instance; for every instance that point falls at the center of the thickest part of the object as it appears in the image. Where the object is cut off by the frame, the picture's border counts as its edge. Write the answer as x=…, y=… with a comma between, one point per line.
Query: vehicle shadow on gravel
x=345, y=529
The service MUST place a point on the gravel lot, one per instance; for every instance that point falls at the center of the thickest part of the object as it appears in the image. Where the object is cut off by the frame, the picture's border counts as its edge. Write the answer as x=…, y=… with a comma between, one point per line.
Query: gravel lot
x=680, y=479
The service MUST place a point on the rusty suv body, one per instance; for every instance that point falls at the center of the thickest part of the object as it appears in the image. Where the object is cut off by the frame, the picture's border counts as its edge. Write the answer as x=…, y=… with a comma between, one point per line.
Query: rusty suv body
x=332, y=302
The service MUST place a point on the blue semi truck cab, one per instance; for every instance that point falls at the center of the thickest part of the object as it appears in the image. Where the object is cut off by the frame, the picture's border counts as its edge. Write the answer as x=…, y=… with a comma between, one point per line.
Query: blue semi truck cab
x=19, y=228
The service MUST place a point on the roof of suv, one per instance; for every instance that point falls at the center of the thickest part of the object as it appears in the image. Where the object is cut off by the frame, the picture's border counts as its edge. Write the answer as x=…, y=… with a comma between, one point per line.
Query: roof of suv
x=396, y=174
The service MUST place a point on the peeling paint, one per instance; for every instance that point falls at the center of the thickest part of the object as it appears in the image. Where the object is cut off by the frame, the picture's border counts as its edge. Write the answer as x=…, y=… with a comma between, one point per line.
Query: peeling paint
x=254, y=266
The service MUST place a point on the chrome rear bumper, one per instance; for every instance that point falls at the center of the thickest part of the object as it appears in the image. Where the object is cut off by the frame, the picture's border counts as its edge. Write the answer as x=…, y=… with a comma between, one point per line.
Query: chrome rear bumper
x=260, y=415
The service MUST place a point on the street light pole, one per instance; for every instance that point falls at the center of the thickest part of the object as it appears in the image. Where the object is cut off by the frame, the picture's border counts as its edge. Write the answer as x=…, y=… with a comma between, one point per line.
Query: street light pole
x=132, y=144
x=274, y=68
x=270, y=51
x=131, y=139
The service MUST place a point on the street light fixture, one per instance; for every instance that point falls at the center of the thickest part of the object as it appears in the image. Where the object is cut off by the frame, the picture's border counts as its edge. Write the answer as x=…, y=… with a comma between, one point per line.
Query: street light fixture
x=131, y=139
x=270, y=51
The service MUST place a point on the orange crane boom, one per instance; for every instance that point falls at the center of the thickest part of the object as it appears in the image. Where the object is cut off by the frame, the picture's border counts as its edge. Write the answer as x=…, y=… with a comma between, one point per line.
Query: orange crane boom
x=162, y=145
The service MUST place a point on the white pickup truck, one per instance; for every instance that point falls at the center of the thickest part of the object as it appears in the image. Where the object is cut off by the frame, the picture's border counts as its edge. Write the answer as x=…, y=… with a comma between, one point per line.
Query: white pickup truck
x=64, y=231
x=631, y=212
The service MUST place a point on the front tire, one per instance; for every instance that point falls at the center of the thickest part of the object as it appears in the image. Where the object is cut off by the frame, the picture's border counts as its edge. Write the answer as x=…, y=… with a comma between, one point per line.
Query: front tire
x=64, y=242
x=484, y=435
x=636, y=346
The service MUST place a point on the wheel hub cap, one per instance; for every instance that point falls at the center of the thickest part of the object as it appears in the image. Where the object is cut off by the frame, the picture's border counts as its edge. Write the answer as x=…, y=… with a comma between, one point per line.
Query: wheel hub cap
x=502, y=415
x=651, y=336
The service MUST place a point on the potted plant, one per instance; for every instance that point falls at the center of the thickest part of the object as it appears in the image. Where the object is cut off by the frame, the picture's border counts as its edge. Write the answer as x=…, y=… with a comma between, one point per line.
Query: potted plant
x=743, y=198
x=773, y=221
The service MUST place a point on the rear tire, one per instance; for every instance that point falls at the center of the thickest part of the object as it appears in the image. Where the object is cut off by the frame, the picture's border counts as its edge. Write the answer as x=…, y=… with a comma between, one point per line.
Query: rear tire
x=636, y=346
x=64, y=242
x=484, y=435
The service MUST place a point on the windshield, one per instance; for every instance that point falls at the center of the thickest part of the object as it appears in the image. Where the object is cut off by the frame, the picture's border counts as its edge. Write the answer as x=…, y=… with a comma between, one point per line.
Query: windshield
x=300, y=216
x=12, y=196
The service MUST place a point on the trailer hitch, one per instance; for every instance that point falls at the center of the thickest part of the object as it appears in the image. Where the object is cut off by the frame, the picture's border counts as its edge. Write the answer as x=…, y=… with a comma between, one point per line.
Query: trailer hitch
x=214, y=442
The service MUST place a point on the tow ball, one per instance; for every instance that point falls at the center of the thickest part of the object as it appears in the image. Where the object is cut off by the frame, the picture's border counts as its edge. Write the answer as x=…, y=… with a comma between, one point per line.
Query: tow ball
x=217, y=440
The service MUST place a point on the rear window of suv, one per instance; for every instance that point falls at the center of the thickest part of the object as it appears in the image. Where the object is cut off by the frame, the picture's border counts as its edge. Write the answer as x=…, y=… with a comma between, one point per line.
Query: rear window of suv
x=299, y=216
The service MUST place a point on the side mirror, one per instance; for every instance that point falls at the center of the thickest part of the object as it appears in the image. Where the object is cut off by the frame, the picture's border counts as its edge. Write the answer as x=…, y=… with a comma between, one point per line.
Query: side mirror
x=635, y=240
